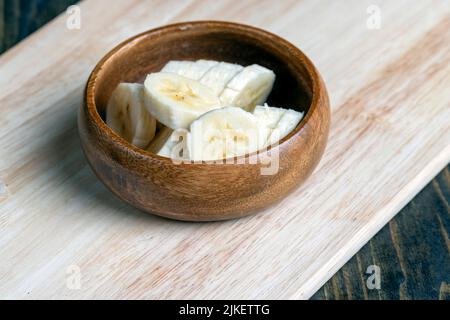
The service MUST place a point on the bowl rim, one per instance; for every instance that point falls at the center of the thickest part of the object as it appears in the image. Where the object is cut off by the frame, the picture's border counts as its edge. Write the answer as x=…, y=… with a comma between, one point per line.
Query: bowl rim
x=91, y=108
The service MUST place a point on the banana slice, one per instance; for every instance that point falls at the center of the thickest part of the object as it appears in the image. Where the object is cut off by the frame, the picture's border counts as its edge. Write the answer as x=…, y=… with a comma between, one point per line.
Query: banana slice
x=159, y=140
x=249, y=88
x=189, y=69
x=268, y=118
x=176, y=101
x=159, y=126
x=127, y=116
x=223, y=133
x=289, y=120
x=171, y=144
x=199, y=69
x=176, y=146
x=177, y=67
x=218, y=76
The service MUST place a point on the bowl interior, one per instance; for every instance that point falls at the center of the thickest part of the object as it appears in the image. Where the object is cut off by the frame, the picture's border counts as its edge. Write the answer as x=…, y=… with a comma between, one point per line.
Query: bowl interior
x=149, y=52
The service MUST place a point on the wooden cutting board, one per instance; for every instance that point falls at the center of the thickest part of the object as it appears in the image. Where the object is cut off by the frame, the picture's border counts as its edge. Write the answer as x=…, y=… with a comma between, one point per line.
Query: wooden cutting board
x=64, y=235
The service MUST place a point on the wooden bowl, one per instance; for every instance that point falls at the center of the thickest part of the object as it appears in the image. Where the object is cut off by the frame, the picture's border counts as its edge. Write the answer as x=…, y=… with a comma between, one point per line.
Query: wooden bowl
x=201, y=191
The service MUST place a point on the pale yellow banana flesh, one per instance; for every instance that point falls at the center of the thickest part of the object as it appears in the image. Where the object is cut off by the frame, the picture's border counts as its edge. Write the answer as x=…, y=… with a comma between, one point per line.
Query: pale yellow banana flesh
x=175, y=100
x=189, y=69
x=127, y=116
x=223, y=133
x=287, y=123
x=248, y=88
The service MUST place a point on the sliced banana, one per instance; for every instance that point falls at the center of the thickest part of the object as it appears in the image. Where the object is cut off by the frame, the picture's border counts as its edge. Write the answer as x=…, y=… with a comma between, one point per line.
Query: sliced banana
x=171, y=144
x=200, y=68
x=177, y=67
x=159, y=140
x=249, y=88
x=189, y=69
x=289, y=120
x=218, y=76
x=176, y=146
x=127, y=116
x=176, y=101
x=223, y=133
x=268, y=118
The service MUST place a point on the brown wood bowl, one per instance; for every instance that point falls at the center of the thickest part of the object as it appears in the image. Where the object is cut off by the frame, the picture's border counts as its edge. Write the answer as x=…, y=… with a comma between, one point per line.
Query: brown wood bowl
x=201, y=191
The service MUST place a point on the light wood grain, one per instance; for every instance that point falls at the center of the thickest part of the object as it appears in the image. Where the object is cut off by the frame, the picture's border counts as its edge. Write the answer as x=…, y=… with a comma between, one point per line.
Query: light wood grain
x=390, y=135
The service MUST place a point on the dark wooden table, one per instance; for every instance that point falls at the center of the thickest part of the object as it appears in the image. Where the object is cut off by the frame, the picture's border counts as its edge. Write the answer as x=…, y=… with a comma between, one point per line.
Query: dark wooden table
x=412, y=251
